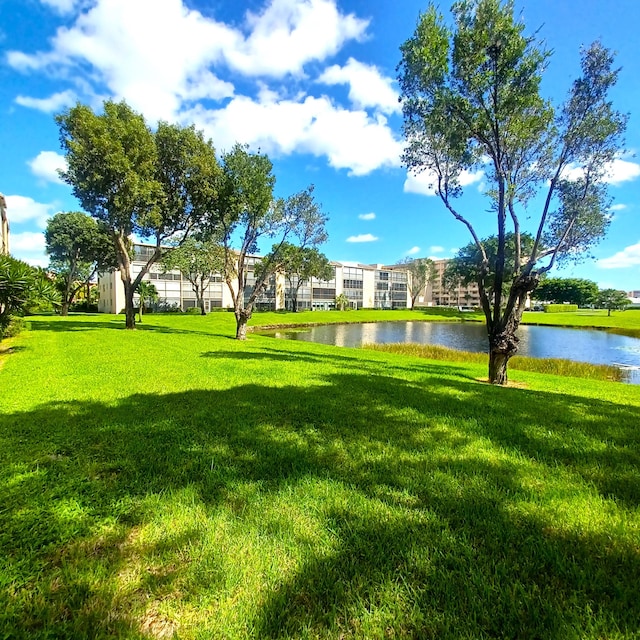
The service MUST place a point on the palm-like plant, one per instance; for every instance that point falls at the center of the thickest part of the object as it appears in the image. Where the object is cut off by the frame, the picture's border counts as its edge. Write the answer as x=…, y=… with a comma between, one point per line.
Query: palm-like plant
x=147, y=293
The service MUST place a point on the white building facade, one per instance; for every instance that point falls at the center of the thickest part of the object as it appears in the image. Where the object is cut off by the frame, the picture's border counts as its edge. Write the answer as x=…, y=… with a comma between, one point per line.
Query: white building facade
x=366, y=286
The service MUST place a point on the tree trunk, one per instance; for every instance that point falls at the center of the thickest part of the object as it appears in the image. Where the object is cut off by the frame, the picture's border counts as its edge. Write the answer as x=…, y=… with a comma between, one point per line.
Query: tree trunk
x=64, y=308
x=242, y=317
x=202, y=311
x=503, y=344
x=129, y=312
x=498, y=367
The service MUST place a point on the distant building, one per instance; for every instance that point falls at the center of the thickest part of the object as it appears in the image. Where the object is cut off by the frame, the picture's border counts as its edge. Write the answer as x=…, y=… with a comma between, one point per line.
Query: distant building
x=4, y=226
x=437, y=294
x=634, y=296
x=366, y=286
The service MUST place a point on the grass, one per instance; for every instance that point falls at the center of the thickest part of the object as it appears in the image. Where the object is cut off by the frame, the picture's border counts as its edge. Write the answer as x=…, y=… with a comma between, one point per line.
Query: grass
x=623, y=322
x=554, y=366
x=174, y=482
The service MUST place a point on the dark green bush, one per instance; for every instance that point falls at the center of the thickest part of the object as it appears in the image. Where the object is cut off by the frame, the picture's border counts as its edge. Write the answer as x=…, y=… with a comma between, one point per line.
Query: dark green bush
x=193, y=310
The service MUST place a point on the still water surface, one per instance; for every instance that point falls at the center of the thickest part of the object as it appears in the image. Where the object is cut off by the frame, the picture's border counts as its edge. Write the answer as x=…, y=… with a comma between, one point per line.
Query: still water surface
x=583, y=345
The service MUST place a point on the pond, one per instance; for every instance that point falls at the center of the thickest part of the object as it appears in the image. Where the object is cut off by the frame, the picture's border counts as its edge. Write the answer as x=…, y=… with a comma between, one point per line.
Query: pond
x=583, y=345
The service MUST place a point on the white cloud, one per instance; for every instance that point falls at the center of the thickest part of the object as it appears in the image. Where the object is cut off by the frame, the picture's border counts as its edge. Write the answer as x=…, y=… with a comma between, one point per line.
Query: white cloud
x=367, y=216
x=23, y=209
x=424, y=183
x=363, y=237
x=618, y=207
x=350, y=139
x=30, y=247
x=436, y=249
x=367, y=86
x=413, y=251
x=47, y=164
x=615, y=172
x=628, y=257
x=290, y=33
x=620, y=171
x=157, y=54
x=54, y=102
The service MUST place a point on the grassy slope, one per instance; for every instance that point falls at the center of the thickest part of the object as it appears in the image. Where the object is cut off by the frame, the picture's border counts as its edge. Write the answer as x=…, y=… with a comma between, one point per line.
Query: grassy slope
x=173, y=479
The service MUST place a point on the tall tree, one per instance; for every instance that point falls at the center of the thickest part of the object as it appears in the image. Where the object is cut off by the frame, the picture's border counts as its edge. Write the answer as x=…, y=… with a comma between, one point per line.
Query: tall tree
x=421, y=272
x=78, y=247
x=572, y=290
x=471, y=100
x=156, y=186
x=612, y=299
x=198, y=261
x=246, y=212
x=299, y=265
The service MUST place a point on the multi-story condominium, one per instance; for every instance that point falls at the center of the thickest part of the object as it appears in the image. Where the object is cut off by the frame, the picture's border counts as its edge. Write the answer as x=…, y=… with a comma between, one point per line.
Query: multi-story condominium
x=4, y=226
x=438, y=294
x=366, y=286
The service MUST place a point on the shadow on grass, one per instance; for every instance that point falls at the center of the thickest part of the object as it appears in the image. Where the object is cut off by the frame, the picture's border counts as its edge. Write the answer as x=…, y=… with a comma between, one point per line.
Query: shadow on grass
x=440, y=534
x=75, y=324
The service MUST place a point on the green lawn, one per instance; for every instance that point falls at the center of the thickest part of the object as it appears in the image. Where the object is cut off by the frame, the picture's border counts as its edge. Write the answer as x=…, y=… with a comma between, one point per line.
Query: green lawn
x=174, y=482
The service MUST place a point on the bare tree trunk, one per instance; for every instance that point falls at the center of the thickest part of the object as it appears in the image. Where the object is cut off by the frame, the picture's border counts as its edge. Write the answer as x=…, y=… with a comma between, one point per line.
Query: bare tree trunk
x=130, y=315
x=242, y=317
x=64, y=308
x=502, y=346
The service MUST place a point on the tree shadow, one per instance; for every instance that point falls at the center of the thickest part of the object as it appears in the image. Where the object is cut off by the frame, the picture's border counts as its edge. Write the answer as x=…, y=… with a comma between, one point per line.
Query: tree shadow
x=440, y=534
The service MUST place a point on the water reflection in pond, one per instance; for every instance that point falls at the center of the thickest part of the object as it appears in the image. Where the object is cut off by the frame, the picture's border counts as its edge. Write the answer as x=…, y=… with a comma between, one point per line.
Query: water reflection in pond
x=583, y=345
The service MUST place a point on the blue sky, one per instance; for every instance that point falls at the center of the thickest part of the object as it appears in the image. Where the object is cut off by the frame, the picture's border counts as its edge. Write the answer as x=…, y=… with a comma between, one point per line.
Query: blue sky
x=311, y=83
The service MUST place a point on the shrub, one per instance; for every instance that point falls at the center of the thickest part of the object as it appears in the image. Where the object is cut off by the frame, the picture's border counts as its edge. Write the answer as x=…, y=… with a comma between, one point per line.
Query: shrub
x=560, y=308
x=193, y=310
x=13, y=327
x=84, y=306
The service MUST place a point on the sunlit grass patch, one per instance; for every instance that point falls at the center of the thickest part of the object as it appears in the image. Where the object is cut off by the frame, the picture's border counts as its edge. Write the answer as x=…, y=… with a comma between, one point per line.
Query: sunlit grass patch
x=173, y=482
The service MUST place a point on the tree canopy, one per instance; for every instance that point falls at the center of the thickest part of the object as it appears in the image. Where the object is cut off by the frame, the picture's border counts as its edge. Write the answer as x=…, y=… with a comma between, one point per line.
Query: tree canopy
x=78, y=247
x=610, y=299
x=155, y=185
x=571, y=290
x=245, y=212
x=198, y=261
x=421, y=272
x=299, y=264
x=471, y=102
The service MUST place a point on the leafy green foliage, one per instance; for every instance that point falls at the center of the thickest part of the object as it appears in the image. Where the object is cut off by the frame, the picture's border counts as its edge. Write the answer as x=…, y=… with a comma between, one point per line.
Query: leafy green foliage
x=78, y=247
x=299, y=264
x=157, y=186
x=342, y=302
x=560, y=308
x=22, y=287
x=471, y=101
x=147, y=294
x=612, y=299
x=421, y=272
x=577, y=291
x=198, y=261
x=247, y=211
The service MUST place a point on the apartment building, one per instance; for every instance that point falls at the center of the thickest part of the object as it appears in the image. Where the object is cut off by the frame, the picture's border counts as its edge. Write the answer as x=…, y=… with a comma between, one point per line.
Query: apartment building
x=366, y=286
x=437, y=294
x=4, y=227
